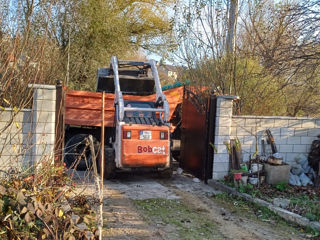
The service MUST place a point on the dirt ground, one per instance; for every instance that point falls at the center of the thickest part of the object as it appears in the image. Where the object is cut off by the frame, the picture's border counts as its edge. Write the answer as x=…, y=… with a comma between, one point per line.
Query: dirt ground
x=144, y=207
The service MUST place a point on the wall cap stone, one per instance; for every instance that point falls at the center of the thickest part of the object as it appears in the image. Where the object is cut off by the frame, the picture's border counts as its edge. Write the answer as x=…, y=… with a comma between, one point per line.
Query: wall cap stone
x=42, y=86
x=273, y=117
x=228, y=97
x=12, y=110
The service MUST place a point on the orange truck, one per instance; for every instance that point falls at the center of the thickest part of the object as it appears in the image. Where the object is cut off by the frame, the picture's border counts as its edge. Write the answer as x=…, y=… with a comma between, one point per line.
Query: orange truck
x=136, y=120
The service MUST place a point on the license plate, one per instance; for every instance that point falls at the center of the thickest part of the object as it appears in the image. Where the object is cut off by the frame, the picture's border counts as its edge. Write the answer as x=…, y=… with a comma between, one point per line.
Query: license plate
x=145, y=135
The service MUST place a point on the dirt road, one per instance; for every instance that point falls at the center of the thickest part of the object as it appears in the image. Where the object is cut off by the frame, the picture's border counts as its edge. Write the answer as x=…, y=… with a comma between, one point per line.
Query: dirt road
x=144, y=207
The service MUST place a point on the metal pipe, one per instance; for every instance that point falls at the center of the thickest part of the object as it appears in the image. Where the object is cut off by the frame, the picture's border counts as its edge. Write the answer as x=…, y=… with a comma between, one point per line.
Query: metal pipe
x=129, y=109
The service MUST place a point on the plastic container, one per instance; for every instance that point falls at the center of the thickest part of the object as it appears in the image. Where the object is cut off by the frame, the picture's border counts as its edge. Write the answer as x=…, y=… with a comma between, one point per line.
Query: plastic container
x=237, y=176
x=255, y=167
x=253, y=180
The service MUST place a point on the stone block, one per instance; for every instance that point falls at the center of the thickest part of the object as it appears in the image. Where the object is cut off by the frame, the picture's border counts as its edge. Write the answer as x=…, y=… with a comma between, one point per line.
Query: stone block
x=286, y=148
x=249, y=140
x=307, y=140
x=218, y=175
x=295, y=123
x=287, y=131
x=221, y=167
x=44, y=127
x=280, y=123
x=220, y=140
x=253, y=122
x=282, y=140
x=224, y=112
x=221, y=158
x=223, y=131
x=43, y=138
x=238, y=122
x=301, y=132
x=225, y=104
x=308, y=123
x=300, y=148
x=247, y=131
x=45, y=94
x=45, y=117
x=45, y=105
x=317, y=123
x=267, y=123
x=44, y=149
x=277, y=174
x=224, y=121
x=314, y=132
x=294, y=140
x=233, y=132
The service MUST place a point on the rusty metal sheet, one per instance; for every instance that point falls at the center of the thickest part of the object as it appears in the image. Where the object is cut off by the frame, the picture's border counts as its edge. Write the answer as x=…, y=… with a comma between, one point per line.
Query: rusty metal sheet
x=83, y=108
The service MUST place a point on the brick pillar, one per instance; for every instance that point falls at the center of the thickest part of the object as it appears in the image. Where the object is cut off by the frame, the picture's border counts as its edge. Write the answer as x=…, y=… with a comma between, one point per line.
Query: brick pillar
x=222, y=134
x=43, y=121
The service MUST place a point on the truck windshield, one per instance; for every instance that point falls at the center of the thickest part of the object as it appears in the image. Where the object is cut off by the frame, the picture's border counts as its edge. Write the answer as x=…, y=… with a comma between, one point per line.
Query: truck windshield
x=139, y=113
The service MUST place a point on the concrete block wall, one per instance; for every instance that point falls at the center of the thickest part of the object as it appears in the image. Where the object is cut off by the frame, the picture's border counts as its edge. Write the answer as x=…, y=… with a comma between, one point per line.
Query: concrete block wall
x=29, y=135
x=222, y=134
x=293, y=135
x=43, y=121
x=15, y=138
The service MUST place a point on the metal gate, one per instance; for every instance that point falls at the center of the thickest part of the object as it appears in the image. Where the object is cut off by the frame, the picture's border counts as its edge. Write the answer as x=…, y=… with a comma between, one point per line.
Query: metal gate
x=197, y=134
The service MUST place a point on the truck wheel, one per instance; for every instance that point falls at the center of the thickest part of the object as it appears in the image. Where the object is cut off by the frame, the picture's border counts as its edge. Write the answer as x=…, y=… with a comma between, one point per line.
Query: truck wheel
x=77, y=153
x=109, y=165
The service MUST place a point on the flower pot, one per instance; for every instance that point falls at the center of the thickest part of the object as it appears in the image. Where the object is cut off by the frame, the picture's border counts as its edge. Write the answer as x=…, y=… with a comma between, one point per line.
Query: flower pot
x=237, y=176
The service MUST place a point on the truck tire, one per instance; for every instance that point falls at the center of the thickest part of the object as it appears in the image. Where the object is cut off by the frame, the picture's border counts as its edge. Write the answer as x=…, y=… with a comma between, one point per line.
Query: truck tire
x=77, y=155
x=110, y=165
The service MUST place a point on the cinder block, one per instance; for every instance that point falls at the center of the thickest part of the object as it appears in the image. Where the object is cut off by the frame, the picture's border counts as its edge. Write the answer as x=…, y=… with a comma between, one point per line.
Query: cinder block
x=301, y=132
x=44, y=127
x=302, y=148
x=221, y=139
x=276, y=131
x=308, y=123
x=233, y=132
x=267, y=123
x=221, y=158
x=221, y=167
x=224, y=121
x=287, y=131
x=295, y=123
x=218, y=175
x=226, y=104
x=294, y=140
x=247, y=131
x=26, y=128
x=286, y=148
x=281, y=123
x=221, y=149
x=314, y=132
x=291, y=157
x=282, y=140
x=43, y=138
x=47, y=117
x=223, y=131
x=238, y=122
x=246, y=148
x=44, y=105
x=307, y=140
x=224, y=112
x=249, y=140
x=253, y=122
x=46, y=94
x=318, y=123
x=44, y=149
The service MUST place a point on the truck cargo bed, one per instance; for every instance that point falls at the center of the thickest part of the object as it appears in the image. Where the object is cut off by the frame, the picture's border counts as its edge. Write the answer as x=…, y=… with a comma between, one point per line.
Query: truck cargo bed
x=83, y=108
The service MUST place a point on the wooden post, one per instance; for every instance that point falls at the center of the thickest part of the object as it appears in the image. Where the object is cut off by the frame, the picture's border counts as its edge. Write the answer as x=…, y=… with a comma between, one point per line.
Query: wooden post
x=102, y=141
x=59, y=125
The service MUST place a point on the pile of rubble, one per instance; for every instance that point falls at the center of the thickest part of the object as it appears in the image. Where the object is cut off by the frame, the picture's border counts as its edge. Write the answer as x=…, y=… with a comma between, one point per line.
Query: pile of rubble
x=301, y=174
